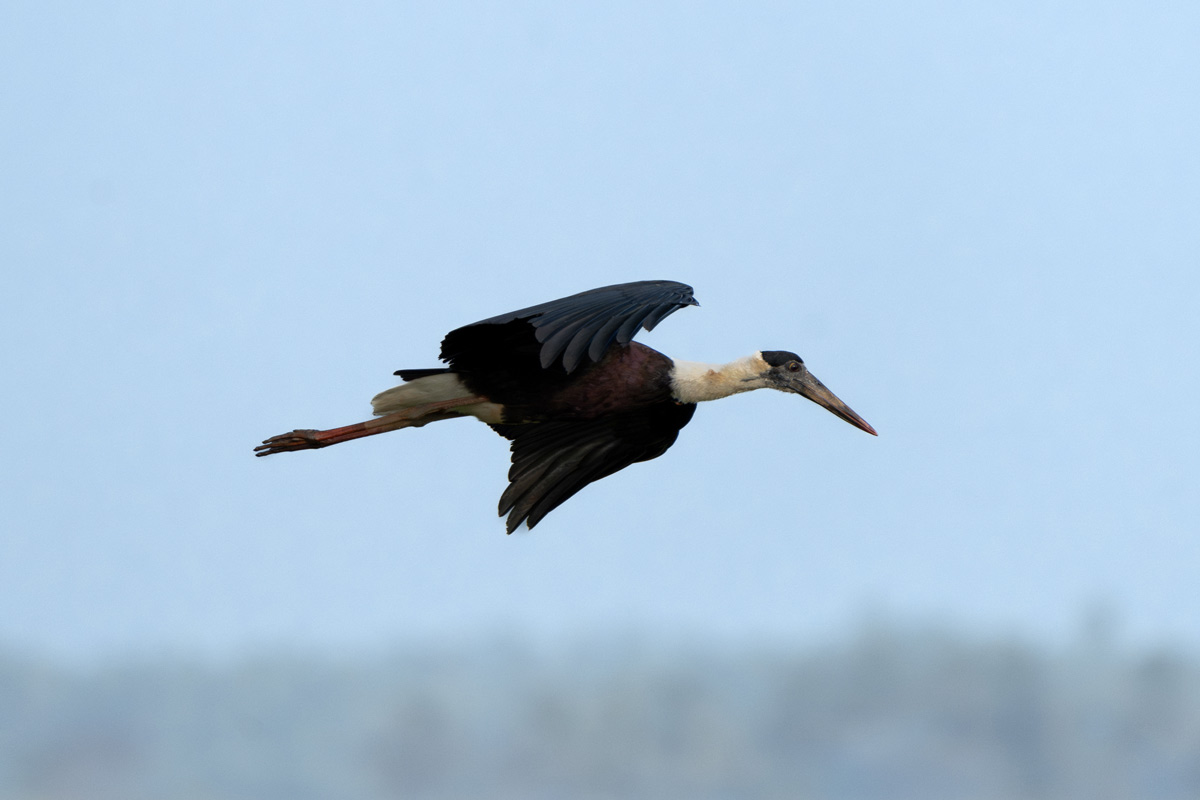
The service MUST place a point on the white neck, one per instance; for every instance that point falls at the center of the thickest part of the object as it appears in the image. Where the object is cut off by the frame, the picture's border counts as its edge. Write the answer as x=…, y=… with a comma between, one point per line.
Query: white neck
x=694, y=382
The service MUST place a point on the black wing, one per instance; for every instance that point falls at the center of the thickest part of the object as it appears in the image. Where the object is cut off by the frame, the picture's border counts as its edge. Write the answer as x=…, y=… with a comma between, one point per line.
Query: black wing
x=582, y=324
x=551, y=461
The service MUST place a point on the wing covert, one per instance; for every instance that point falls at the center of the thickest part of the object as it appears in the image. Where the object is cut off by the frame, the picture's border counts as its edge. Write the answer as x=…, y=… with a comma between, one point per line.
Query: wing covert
x=584, y=325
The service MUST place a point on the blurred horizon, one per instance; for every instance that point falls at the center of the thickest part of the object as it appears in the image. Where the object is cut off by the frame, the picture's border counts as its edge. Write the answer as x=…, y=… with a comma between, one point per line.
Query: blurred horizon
x=890, y=710
x=1094, y=622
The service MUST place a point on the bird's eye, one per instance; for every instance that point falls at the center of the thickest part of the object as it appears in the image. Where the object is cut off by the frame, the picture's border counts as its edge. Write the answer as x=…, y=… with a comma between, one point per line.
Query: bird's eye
x=793, y=366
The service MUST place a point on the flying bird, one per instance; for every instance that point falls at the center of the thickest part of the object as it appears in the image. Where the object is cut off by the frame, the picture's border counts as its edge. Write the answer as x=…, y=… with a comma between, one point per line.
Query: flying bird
x=576, y=396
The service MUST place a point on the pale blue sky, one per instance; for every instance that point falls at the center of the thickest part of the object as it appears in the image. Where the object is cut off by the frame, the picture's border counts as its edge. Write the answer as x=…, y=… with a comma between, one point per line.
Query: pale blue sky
x=978, y=223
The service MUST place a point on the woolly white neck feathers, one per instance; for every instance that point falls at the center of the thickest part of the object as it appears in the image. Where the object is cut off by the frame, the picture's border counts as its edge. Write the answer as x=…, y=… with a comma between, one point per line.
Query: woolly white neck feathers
x=694, y=382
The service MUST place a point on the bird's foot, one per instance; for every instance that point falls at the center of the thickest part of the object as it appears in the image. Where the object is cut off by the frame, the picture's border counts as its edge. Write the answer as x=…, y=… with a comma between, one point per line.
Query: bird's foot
x=307, y=439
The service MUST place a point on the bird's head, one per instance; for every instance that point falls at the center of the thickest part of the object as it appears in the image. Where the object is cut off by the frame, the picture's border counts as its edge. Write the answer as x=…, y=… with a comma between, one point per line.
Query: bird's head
x=785, y=371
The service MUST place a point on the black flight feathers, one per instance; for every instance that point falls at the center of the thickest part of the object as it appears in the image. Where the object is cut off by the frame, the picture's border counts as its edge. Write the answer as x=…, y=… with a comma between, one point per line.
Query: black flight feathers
x=585, y=324
x=551, y=461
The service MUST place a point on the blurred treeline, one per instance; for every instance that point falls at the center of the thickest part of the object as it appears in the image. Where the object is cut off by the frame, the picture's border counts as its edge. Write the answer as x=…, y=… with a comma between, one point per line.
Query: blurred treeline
x=890, y=712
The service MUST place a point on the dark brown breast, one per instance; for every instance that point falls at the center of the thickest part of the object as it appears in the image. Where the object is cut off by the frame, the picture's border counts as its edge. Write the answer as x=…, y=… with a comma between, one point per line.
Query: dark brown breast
x=629, y=377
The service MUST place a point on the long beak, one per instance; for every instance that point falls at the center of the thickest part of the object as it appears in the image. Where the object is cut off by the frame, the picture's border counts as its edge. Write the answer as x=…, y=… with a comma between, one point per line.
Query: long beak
x=807, y=384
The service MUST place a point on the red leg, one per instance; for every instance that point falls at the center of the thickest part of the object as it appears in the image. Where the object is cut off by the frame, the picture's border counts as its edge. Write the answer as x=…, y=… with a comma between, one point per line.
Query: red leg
x=409, y=418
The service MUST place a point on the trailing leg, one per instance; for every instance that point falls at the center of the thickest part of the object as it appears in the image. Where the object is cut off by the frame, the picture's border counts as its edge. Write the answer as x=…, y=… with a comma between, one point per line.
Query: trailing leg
x=413, y=417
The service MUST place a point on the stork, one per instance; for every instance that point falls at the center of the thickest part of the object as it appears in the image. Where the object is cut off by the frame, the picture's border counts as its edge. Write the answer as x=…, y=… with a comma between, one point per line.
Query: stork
x=576, y=396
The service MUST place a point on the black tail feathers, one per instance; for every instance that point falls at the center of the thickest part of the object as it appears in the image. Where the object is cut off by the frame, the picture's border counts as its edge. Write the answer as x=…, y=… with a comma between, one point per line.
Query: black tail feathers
x=407, y=375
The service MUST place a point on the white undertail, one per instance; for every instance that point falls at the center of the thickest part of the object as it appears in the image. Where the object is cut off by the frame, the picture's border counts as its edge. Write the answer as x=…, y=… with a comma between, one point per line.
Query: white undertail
x=433, y=389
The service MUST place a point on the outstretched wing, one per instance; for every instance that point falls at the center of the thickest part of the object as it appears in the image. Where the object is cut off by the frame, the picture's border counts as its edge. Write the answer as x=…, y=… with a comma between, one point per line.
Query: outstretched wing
x=570, y=328
x=551, y=461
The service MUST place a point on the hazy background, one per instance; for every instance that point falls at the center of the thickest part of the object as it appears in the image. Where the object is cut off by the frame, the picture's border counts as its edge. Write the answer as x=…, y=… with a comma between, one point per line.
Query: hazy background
x=978, y=224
